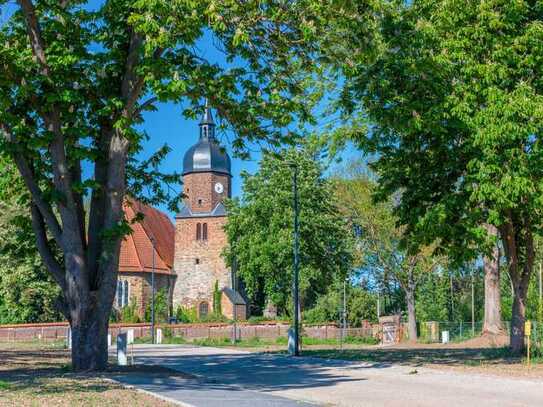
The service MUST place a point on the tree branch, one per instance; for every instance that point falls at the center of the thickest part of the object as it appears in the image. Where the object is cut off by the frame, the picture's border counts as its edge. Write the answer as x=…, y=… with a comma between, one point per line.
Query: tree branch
x=35, y=191
x=43, y=247
x=34, y=32
x=62, y=177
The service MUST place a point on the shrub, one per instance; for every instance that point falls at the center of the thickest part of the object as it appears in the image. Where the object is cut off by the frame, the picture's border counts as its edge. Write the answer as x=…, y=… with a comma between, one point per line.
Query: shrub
x=161, y=307
x=129, y=314
x=217, y=296
x=186, y=315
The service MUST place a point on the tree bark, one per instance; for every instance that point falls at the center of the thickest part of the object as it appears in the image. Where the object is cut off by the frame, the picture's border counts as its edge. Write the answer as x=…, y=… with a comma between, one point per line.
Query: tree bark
x=89, y=340
x=519, y=249
x=492, y=324
x=409, y=289
x=518, y=318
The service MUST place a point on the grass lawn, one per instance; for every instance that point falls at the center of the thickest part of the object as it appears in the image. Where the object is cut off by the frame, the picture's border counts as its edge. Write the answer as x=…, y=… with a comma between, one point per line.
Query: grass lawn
x=38, y=374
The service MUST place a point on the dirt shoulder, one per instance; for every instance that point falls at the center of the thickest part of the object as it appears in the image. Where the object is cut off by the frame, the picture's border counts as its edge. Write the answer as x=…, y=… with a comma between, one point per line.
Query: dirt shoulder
x=31, y=376
x=474, y=356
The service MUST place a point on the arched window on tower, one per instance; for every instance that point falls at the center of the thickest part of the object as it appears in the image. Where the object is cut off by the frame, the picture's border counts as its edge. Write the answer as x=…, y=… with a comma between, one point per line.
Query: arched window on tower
x=198, y=231
x=204, y=231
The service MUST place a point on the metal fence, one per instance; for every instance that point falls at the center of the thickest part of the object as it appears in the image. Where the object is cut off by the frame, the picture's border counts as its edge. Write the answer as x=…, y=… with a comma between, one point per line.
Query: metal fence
x=433, y=331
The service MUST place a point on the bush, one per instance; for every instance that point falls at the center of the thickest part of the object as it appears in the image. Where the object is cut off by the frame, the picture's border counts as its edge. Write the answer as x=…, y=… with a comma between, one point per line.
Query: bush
x=257, y=319
x=129, y=314
x=161, y=307
x=190, y=316
x=186, y=315
x=217, y=296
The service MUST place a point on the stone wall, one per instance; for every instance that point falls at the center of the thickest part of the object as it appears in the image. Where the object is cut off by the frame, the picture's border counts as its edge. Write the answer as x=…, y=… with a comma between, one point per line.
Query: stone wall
x=269, y=331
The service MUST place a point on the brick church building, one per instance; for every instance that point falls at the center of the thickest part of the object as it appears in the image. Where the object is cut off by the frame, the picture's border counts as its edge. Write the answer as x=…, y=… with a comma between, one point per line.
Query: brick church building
x=188, y=257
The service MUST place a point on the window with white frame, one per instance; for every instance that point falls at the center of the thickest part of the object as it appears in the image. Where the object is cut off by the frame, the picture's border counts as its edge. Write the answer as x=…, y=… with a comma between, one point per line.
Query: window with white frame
x=123, y=293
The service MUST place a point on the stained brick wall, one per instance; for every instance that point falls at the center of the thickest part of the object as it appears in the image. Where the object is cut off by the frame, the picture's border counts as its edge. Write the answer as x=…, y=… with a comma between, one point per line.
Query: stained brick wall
x=227, y=309
x=195, y=282
x=201, y=186
x=198, y=263
x=52, y=331
x=140, y=288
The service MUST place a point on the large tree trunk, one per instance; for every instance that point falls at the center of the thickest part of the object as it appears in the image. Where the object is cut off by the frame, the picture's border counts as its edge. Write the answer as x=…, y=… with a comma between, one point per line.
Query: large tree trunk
x=518, y=318
x=519, y=249
x=89, y=341
x=411, y=314
x=492, y=324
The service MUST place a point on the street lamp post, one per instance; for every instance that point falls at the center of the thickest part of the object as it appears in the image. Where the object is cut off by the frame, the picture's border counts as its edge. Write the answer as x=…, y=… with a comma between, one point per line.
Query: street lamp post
x=296, y=262
x=153, y=295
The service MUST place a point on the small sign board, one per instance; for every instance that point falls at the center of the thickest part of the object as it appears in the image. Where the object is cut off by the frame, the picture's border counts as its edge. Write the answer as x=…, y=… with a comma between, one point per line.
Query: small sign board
x=527, y=328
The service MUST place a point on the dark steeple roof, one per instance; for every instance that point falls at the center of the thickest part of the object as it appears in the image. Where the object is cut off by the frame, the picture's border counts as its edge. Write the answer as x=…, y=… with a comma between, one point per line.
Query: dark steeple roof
x=206, y=155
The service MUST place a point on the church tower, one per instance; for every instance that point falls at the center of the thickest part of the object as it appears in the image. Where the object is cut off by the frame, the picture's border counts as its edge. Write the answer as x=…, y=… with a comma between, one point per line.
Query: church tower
x=199, y=234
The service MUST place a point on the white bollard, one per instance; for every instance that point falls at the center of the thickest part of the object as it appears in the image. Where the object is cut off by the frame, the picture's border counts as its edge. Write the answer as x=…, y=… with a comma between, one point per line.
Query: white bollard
x=444, y=336
x=122, y=358
x=130, y=337
x=291, y=345
x=159, y=336
x=108, y=340
x=69, y=338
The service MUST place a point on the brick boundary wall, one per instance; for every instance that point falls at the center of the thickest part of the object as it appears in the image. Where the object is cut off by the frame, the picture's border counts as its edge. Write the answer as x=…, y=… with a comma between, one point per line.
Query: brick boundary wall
x=267, y=330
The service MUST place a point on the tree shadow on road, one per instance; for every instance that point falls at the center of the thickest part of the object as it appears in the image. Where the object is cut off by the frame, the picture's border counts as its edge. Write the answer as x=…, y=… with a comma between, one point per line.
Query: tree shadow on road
x=422, y=356
x=263, y=372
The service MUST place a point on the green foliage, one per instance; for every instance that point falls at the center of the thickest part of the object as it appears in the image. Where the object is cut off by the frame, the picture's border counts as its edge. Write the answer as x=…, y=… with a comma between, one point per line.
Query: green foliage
x=360, y=303
x=77, y=80
x=257, y=319
x=161, y=307
x=217, y=295
x=454, y=95
x=186, y=315
x=190, y=316
x=260, y=231
x=27, y=292
x=129, y=313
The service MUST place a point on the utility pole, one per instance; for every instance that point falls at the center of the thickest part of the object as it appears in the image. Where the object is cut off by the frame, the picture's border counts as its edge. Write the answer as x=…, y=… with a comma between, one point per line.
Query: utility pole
x=540, y=294
x=344, y=313
x=472, y=305
x=296, y=262
x=235, y=286
x=153, y=295
x=452, y=296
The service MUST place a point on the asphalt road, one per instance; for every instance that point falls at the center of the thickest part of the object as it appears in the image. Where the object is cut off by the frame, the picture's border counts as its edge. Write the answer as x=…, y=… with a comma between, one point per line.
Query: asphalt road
x=228, y=377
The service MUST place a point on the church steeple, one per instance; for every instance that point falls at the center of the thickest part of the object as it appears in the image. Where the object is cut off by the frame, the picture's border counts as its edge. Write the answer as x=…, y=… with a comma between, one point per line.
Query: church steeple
x=207, y=125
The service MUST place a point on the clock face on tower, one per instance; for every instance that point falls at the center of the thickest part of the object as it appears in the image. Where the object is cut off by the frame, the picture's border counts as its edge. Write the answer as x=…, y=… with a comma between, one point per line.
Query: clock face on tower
x=219, y=188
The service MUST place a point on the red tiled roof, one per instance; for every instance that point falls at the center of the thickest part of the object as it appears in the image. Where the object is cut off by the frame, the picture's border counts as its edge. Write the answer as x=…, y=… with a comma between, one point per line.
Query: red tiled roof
x=137, y=249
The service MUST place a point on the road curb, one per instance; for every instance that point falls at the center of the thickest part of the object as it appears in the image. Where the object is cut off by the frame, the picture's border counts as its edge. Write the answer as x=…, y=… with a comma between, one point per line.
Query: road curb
x=149, y=393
